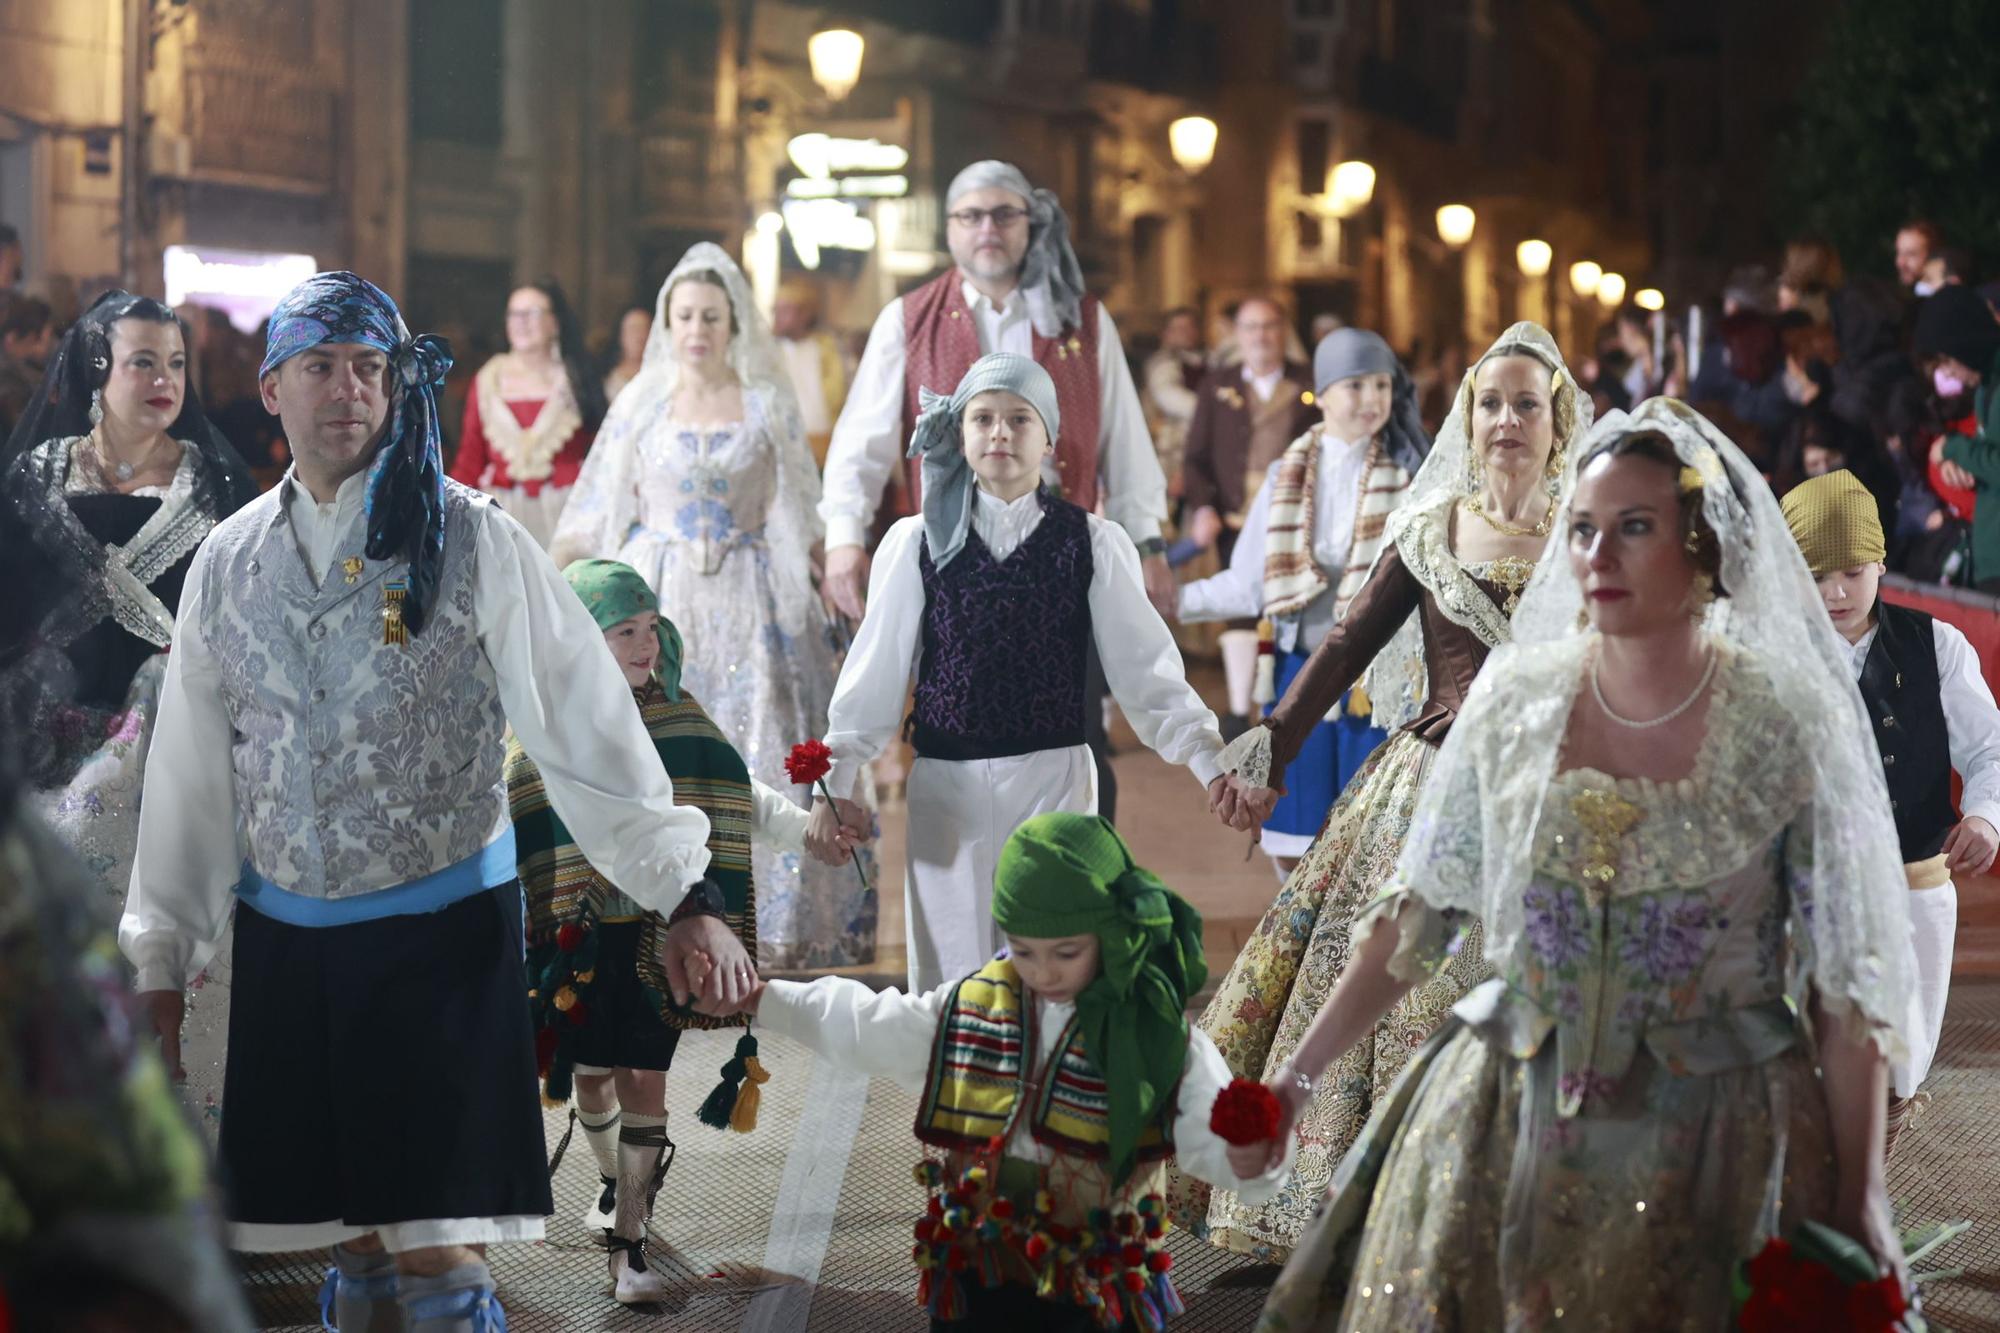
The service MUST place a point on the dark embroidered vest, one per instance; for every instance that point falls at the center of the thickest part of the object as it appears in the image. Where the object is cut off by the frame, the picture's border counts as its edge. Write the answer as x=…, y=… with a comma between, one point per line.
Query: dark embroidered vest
x=1004, y=643
x=1899, y=685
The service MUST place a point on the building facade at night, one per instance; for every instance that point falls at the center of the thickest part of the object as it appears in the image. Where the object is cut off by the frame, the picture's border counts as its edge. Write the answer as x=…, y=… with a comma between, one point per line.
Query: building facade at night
x=451, y=148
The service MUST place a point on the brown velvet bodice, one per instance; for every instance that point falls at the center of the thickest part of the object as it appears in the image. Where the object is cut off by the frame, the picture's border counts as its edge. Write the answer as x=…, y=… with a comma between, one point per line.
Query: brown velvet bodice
x=1453, y=655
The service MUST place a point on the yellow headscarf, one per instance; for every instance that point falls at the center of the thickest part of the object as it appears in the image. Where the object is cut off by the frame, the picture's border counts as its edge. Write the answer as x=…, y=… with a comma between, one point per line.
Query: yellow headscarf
x=1835, y=521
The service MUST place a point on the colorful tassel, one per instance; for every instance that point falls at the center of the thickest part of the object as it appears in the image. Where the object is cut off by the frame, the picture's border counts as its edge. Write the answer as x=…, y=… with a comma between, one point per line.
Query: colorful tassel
x=719, y=1109
x=1168, y=1296
x=743, y=1117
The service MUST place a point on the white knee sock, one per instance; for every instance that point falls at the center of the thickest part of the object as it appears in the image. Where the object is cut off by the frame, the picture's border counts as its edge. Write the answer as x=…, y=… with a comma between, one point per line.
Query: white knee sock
x=1239, y=667
x=641, y=1142
x=601, y=1128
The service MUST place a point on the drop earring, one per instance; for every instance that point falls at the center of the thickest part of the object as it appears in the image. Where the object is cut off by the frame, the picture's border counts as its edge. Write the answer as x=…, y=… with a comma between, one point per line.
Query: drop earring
x=96, y=408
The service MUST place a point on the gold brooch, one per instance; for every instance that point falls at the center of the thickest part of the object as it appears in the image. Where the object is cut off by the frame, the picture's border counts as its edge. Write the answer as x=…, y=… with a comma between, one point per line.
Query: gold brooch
x=1512, y=573
x=1228, y=394
x=1606, y=818
x=351, y=567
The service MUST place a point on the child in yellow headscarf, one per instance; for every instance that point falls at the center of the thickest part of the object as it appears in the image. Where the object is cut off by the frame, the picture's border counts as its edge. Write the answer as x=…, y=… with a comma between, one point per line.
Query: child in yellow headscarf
x=1932, y=712
x=1041, y=1211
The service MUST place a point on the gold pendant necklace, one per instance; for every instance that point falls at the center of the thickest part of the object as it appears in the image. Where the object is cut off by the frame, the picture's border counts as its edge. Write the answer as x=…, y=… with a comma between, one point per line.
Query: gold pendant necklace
x=1506, y=529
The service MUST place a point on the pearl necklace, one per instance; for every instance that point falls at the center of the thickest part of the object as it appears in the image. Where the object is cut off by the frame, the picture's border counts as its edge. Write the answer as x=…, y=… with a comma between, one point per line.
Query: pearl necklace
x=1670, y=714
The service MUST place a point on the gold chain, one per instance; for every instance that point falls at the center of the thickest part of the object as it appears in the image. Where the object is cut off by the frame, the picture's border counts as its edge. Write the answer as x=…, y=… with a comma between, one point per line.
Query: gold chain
x=1506, y=529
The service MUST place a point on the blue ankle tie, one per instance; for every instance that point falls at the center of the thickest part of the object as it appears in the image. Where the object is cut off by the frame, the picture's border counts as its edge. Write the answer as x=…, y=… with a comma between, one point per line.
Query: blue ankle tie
x=478, y=1304
x=376, y=1287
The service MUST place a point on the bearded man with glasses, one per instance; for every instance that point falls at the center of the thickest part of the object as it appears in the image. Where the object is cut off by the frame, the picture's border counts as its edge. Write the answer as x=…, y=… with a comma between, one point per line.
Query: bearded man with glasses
x=1014, y=286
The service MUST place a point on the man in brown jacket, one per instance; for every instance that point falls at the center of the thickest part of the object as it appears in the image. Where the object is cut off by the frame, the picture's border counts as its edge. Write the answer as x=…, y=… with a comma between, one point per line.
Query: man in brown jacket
x=1244, y=417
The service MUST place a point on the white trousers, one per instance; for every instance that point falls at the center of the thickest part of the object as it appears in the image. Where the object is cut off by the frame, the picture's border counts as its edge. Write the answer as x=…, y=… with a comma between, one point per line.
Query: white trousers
x=397, y=1237
x=961, y=813
x=538, y=513
x=1934, y=923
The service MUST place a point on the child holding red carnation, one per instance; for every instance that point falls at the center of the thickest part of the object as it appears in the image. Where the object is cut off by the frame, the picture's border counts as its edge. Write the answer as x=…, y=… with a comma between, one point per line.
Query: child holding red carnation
x=599, y=1000
x=1042, y=1211
x=992, y=598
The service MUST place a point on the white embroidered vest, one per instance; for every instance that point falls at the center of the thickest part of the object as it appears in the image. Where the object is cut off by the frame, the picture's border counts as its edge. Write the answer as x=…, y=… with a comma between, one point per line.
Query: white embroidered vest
x=359, y=765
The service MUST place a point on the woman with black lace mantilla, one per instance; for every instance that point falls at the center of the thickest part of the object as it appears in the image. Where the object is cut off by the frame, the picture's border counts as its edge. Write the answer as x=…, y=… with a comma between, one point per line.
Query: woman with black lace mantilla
x=112, y=478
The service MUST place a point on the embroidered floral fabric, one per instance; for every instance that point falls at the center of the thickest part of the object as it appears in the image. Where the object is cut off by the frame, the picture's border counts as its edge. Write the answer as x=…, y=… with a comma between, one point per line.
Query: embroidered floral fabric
x=1628, y=1109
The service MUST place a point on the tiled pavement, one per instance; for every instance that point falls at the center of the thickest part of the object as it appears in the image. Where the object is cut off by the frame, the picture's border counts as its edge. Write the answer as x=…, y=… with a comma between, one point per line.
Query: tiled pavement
x=803, y=1225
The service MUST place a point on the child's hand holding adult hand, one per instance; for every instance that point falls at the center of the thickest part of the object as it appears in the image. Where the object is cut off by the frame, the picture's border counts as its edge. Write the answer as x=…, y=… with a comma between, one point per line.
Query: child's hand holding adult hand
x=835, y=830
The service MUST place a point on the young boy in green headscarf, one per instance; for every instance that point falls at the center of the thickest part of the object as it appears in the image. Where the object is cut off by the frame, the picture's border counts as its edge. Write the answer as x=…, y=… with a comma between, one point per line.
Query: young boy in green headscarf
x=600, y=1000
x=1041, y=1211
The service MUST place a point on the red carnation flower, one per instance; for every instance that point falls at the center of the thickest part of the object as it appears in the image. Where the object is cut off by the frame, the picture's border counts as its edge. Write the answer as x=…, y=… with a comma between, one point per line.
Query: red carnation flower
x=808, y=762
x=568, y=936
x=1245, y=1113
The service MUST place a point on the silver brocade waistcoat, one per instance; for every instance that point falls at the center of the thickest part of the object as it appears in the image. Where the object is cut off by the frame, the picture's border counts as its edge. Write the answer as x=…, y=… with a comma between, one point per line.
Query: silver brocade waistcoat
x=359, y=765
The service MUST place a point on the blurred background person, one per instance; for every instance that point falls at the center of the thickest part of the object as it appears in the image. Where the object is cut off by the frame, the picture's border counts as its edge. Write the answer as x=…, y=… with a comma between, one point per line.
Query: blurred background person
x=1245, y=416
x=812, y=355
x=1917, y=243
x=532, y=412
x=629, y=350
x=1171, y=376
x=27, y=333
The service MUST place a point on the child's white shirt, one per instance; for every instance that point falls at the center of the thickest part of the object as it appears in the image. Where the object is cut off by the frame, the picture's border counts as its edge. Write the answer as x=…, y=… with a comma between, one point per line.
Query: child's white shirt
x=1142, y=664
x=1237, y=592
x=890, y=1035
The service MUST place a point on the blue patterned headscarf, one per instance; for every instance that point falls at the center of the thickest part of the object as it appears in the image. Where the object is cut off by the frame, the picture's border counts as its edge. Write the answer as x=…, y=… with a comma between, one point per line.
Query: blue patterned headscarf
x=406, y=480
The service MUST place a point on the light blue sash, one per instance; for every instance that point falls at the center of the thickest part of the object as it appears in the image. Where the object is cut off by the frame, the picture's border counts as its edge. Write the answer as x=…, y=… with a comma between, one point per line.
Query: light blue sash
x=490, y=867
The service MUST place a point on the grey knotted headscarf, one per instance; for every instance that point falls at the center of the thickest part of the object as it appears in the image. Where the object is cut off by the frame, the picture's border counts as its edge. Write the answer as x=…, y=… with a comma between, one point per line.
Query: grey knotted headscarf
x=939, y=441
x=1051, y=278
x=1345, y=353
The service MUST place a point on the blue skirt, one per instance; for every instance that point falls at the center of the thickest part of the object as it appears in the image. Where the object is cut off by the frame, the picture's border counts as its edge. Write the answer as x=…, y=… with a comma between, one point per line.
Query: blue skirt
x=1332, y=754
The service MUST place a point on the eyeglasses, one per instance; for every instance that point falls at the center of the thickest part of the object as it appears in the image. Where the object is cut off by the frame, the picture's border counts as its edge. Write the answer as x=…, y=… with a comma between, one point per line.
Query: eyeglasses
x=1002, y=217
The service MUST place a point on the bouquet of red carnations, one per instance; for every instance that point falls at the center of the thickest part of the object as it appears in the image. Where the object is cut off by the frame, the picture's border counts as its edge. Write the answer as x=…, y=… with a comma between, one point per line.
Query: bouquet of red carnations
x=1823, y=1280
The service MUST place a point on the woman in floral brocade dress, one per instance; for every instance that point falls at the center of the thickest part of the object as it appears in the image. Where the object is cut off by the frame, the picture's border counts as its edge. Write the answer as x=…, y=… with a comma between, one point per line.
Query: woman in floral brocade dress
x=1439, y=598
x=1659, y=824
x=702, y=481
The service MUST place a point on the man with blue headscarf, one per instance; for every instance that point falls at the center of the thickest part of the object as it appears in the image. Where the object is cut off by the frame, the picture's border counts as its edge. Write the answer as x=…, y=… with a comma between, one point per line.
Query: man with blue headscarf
x=351, y=647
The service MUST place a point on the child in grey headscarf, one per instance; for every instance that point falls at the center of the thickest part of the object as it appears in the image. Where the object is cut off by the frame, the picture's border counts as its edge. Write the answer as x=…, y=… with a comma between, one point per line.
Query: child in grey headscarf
x=991, y=598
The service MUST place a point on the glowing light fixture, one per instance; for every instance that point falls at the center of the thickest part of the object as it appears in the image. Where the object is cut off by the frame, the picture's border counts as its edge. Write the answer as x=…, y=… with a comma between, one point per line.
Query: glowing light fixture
x=1584, y=275
x=1534, y=257
x=1349, y=187
x=1192, y=140
x=1611, y=289
x=1455, y=224
x=836, y=60
x=1650, y=298
x=770, y=224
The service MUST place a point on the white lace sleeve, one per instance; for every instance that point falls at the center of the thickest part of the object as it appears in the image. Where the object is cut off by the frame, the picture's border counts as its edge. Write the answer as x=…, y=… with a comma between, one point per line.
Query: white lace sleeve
x=793, y=526
x=605, y=503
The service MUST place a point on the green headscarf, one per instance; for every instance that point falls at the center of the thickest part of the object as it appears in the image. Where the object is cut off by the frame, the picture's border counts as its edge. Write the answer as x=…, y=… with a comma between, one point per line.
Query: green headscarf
x=1066, y=874
x=614, y=593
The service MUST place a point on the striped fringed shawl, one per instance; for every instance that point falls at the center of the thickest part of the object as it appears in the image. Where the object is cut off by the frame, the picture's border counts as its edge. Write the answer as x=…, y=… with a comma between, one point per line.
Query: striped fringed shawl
x=561, y=887
x=1292, y=579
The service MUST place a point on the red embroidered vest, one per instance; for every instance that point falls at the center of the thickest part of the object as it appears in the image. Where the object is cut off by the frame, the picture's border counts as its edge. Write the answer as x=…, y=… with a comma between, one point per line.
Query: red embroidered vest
x=940, y=344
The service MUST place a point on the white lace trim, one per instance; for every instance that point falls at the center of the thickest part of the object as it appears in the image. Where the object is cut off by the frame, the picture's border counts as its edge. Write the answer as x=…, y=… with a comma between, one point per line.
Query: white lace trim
x=528, y=451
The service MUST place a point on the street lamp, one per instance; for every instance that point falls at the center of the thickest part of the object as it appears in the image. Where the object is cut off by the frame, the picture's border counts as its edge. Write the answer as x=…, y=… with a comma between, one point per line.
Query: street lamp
x=1611, y=290
x=836, y=60
x=1192, y=139
x=1455, y=223
x=1584, y=276
x=1349, y=187
x=1533, y=256
x=1650, y=298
